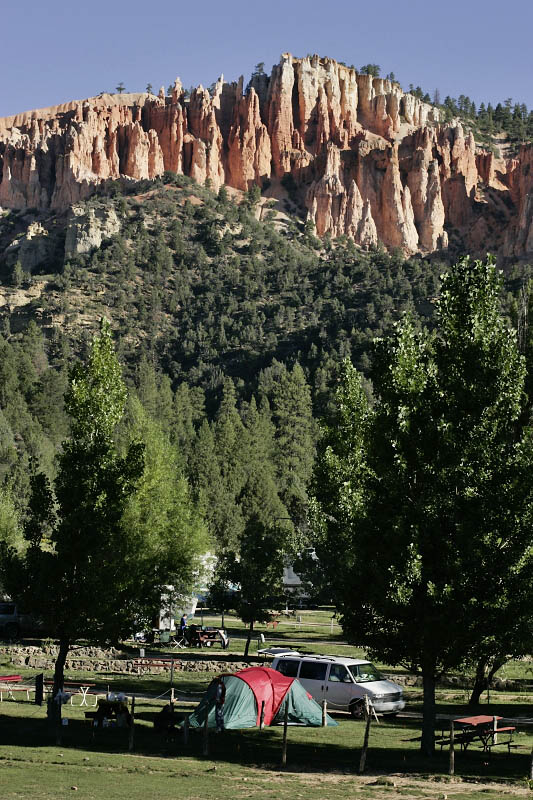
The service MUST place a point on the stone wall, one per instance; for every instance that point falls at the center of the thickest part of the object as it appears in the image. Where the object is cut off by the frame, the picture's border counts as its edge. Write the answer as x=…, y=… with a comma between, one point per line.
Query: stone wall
x=94, y=659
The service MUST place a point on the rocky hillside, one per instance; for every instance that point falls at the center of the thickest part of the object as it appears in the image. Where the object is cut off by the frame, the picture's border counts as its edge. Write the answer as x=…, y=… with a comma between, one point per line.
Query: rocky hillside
x=203, y=284
x=358, y=155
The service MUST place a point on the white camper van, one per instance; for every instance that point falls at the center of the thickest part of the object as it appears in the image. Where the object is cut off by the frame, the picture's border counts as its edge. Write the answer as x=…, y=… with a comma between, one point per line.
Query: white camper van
x=343, y=682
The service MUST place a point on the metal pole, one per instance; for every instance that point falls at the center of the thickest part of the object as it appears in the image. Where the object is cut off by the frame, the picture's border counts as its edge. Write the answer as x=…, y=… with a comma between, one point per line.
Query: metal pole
x=324, y=713
x=172, y=675
x=262, y=717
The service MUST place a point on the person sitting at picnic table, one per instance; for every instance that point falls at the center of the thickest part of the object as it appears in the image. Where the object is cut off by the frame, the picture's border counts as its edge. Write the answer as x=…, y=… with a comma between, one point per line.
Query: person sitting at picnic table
x=195, y=636
x=166, y=720
x=183, y=624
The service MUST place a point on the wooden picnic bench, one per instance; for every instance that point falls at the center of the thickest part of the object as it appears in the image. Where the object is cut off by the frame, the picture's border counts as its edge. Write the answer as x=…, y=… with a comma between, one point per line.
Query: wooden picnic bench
x=480, y=729
x=146, y=662
x=74, y=688
x=8, y=683
x=205, y=637
x=109, y=714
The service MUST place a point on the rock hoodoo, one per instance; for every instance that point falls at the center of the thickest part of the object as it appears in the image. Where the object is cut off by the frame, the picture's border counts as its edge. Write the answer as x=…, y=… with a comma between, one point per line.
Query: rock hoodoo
x=368, y=160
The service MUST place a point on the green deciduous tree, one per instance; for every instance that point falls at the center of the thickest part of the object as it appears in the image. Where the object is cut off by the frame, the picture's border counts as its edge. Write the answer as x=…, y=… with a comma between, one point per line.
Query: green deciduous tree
x=11, y=535
x=427, y=496
x=80, y=572
x=168, y=528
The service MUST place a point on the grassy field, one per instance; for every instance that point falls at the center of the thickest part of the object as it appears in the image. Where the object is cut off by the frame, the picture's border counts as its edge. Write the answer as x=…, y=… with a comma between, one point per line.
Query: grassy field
x=321, y=762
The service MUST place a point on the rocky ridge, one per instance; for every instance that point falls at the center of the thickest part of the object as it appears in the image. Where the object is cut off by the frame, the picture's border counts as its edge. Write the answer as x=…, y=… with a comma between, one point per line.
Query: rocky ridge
x=366, y=159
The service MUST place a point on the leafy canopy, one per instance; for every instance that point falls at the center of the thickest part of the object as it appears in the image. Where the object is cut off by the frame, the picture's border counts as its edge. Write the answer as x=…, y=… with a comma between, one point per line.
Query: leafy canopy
x=424, y=498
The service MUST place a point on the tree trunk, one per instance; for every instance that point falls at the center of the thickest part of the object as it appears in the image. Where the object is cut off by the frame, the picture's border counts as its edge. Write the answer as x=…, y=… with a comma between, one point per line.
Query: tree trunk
x=250, y=631
x=59, y=677
x=480, y=682
x=427, y=745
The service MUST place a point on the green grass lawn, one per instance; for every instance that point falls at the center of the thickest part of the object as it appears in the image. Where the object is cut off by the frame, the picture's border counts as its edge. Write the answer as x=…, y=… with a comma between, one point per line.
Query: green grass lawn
x=322, y=762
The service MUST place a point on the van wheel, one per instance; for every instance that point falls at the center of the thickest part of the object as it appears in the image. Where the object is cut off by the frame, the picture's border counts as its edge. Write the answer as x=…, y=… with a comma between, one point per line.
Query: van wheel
x=11, y=630
x=357, y=709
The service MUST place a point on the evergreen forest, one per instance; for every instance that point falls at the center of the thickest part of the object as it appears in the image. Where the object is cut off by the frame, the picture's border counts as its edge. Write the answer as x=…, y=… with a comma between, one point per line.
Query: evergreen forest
x=231, y=323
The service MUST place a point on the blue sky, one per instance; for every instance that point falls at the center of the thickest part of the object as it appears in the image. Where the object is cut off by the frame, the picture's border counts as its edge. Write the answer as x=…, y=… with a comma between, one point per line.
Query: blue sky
x=56, y=51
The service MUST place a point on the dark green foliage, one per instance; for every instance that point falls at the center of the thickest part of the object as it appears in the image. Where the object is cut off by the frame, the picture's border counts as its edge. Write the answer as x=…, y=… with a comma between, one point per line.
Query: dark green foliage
x=428, y=495
x=371, y=69
x=258, y=573
x=212, y=308
x=79, y=572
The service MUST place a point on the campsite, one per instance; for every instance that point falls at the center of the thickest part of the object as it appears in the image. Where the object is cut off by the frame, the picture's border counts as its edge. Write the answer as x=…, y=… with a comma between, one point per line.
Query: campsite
x=247, y=761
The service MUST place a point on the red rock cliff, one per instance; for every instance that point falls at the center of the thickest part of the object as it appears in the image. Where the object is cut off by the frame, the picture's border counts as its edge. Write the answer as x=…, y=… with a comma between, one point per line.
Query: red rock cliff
x=369, y=160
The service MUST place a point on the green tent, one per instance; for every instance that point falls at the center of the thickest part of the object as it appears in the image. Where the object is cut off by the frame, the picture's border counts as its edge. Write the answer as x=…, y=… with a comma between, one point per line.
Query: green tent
x=251, y=689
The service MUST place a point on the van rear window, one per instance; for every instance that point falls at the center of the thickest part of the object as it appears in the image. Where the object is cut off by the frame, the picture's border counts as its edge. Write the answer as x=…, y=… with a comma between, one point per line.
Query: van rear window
x=288, y=667
x=313, y=670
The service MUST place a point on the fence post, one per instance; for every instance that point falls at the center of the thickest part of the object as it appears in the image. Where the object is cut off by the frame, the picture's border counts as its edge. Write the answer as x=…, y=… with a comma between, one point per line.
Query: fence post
x=451, y=769
x=368, y=717
x=324, y=713
x=205, y=748
x=132, y=725
x=59, y=721
x=284, y=743
x=262, y=716
x=495, y=728
x=39, y=689
x=186, y=730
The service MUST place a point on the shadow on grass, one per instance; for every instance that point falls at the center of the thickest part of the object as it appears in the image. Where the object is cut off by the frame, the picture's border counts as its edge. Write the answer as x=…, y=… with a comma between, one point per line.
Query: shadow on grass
x=393, y=746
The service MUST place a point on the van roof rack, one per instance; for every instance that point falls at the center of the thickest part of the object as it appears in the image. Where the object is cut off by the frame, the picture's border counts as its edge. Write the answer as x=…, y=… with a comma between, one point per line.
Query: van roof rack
x=323, y=658
x=306, y=655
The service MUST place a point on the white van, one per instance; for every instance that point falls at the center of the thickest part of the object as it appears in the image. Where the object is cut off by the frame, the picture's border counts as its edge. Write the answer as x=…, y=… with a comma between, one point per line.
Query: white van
x=343, y=682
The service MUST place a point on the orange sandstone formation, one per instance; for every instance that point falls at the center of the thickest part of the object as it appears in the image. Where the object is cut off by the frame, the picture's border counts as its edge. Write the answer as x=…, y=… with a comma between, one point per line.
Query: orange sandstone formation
x=368, y=160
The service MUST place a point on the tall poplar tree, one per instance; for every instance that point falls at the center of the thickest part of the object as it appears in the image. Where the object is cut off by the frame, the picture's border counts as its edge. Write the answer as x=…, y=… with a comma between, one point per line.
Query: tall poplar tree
x=80, y=572
x=428, y=495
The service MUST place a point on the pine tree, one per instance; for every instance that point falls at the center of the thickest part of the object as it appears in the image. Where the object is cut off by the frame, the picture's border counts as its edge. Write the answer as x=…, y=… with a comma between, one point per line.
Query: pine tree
x=295, y=437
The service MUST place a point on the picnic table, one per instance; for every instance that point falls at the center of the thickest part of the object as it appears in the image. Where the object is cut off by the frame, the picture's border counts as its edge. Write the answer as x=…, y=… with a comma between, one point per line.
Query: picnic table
x=205, y=637
x=110, y=713
x=8, y=685
x=75, y=688
x=481, y=729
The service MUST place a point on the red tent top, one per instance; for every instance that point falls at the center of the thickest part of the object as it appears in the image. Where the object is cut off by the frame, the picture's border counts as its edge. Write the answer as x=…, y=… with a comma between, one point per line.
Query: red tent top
x=269, y=686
